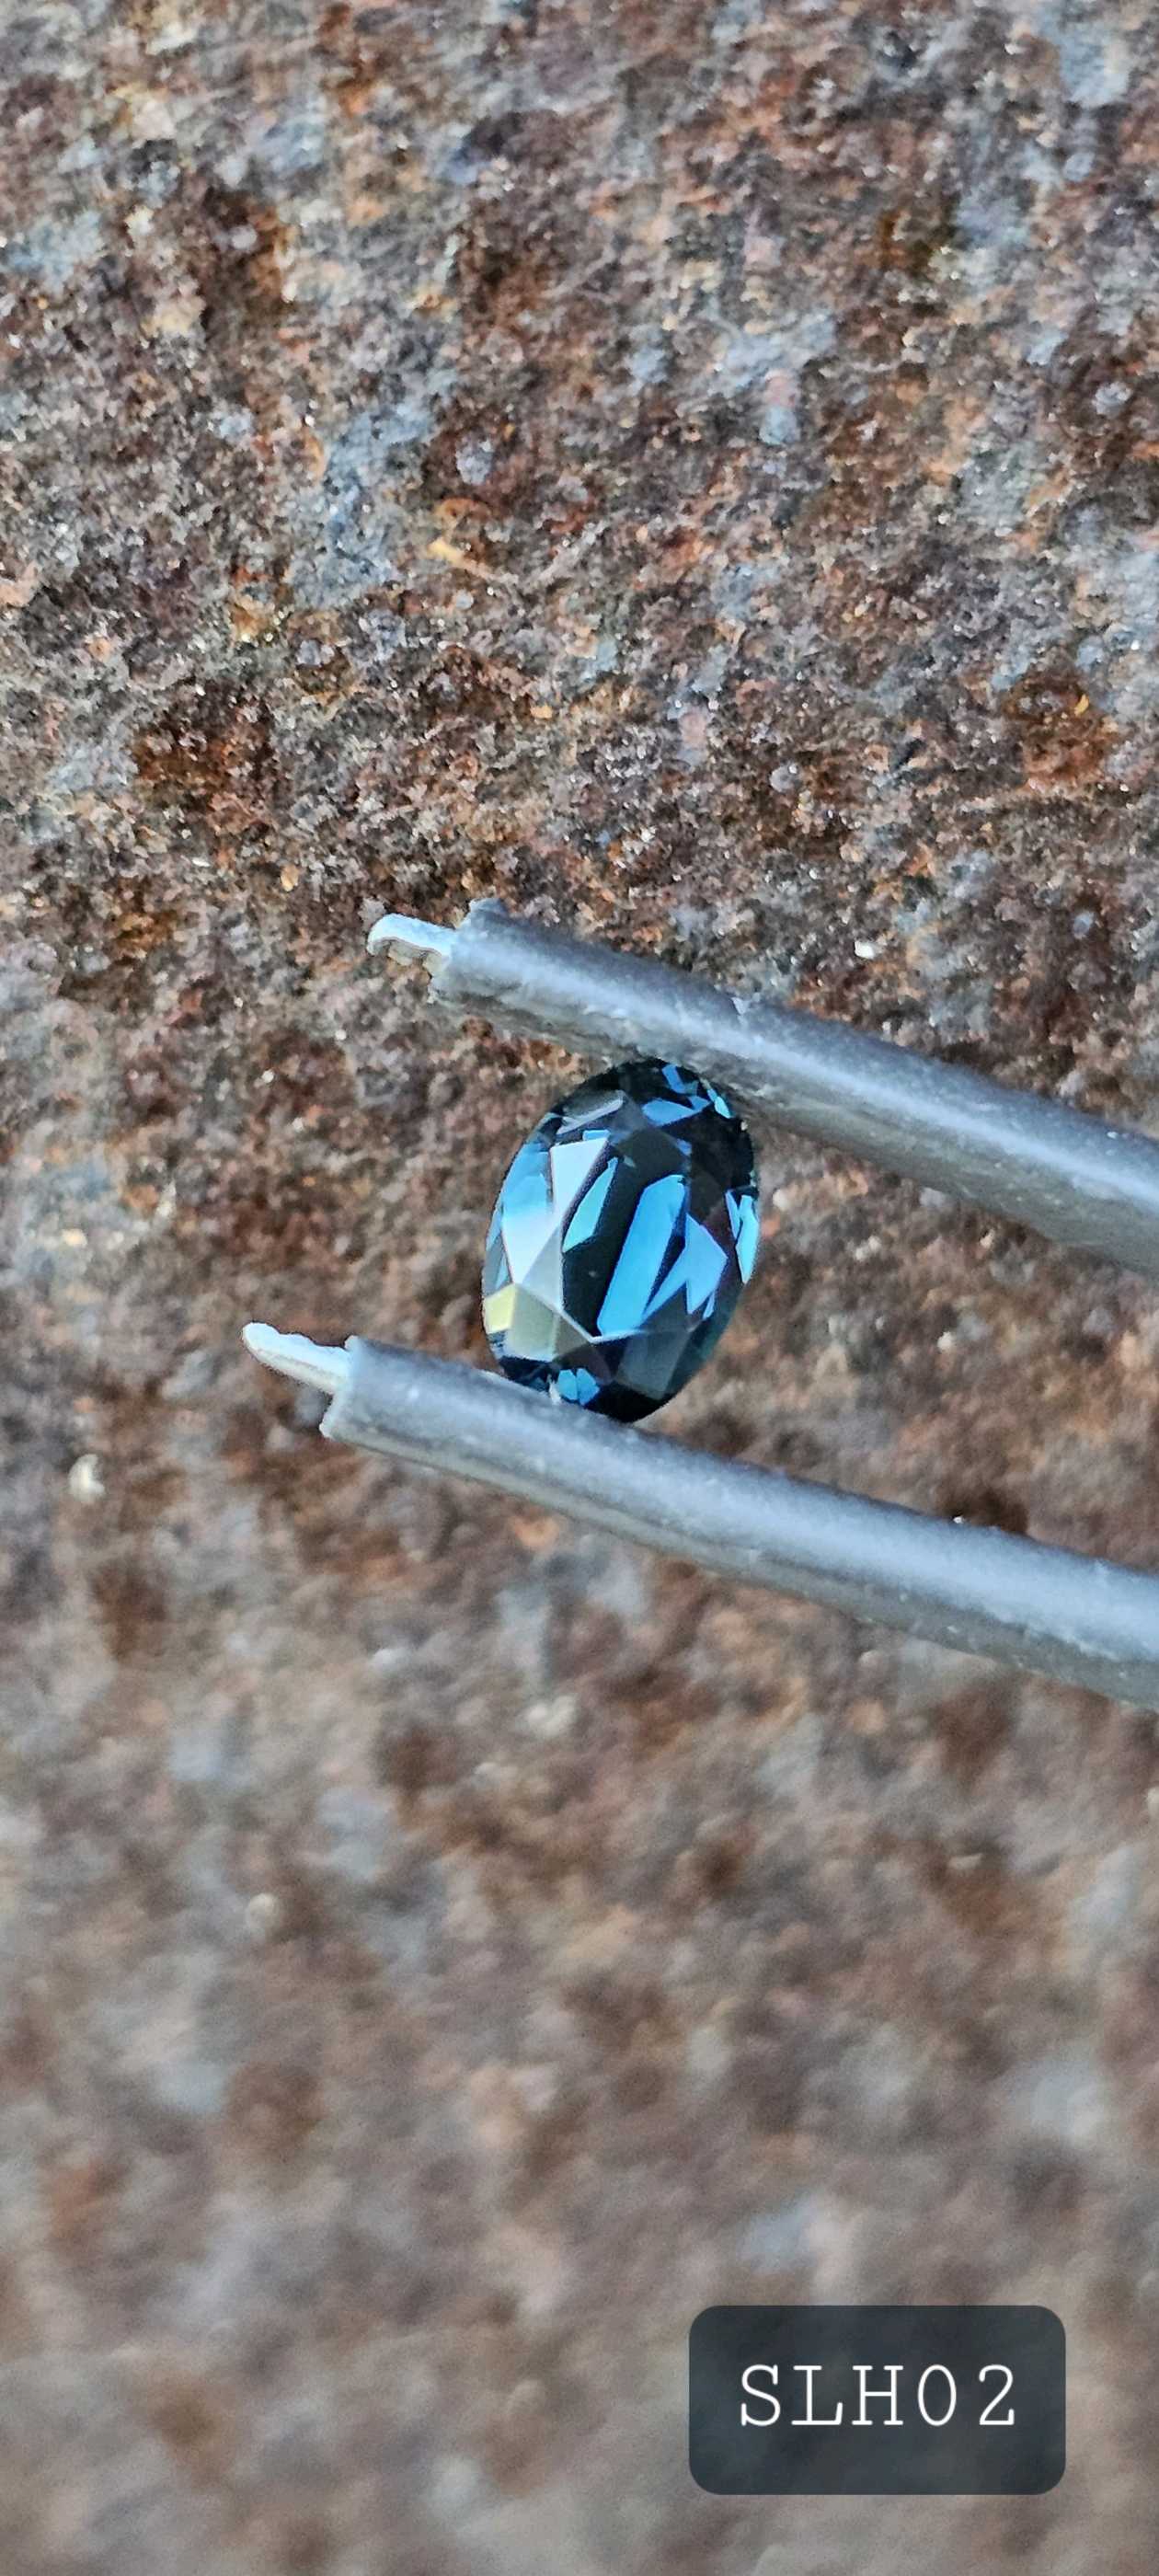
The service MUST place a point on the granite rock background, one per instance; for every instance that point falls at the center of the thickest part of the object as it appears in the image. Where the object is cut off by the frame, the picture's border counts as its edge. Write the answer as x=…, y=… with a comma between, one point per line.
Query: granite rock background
x=694, y=471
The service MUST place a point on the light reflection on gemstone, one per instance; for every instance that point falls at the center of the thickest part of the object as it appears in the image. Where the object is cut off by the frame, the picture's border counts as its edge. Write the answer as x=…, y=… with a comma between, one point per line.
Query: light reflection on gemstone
x=621, y=1239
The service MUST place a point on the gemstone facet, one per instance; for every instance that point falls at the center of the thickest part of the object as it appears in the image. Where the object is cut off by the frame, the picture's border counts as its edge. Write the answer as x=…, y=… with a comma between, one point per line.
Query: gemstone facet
x=621, y=1239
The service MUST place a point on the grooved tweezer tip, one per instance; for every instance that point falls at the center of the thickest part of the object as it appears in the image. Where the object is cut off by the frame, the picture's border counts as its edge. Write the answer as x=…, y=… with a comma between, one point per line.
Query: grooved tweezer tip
x=425, y=939
x=293, y=1355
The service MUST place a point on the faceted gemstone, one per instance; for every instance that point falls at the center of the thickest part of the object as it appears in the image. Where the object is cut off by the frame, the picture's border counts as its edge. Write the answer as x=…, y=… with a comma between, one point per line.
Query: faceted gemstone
x=622, y=1237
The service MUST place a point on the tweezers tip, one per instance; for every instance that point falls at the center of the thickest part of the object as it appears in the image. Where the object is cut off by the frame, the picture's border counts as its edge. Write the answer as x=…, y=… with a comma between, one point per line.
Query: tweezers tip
x=294, y=1355
x=407, y=938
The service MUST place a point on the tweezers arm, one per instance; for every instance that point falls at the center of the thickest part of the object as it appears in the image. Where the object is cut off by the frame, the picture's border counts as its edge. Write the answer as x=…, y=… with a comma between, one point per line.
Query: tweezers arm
x=1048, y=1166
x=1077, y=1618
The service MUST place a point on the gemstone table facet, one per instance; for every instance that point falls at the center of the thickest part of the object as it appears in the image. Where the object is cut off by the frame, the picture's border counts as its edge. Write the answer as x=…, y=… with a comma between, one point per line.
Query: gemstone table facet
x=621, y=1239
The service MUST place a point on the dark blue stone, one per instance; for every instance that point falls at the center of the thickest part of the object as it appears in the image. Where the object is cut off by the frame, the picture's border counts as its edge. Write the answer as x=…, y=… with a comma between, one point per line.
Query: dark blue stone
x=622, y=1237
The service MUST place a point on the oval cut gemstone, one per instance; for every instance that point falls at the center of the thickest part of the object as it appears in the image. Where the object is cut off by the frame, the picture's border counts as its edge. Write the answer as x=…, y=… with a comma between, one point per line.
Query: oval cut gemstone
x=621, y=1239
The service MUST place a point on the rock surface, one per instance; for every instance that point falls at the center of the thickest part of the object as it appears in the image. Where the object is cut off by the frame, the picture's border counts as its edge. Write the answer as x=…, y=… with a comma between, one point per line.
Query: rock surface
x=694, y=471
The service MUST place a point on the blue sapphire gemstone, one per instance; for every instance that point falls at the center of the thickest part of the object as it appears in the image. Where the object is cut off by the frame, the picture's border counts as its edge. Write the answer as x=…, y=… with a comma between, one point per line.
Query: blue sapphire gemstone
x=621, y=1239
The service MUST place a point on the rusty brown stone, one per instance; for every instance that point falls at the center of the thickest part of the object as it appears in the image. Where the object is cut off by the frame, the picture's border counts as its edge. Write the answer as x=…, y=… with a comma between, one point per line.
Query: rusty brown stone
x=694, y=473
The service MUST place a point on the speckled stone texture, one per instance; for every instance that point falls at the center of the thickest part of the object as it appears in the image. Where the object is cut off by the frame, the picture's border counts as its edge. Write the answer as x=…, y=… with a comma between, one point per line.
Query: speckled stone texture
x=693, y=471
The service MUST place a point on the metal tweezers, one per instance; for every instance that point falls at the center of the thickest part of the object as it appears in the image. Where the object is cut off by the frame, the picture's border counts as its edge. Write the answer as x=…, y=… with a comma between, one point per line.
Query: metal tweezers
x=1077, y=1618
